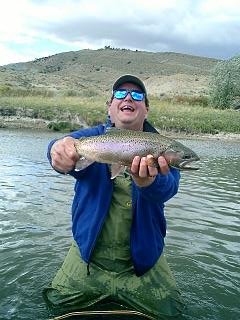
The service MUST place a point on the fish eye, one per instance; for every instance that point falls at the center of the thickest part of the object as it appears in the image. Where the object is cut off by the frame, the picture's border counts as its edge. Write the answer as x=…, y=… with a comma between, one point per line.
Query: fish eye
x=186, y=156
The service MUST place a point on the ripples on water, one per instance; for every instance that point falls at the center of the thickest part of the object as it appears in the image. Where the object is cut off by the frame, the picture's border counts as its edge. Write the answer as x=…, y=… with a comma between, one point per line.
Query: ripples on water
x=34, y=223
x=202, y=244
x=203, y=239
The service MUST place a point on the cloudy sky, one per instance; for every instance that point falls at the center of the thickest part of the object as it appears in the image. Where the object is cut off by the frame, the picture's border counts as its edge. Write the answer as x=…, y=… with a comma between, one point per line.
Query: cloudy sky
x=31, y=29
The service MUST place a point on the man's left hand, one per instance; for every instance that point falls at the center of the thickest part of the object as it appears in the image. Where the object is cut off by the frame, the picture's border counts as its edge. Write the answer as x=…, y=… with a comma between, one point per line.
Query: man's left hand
x=143, y=174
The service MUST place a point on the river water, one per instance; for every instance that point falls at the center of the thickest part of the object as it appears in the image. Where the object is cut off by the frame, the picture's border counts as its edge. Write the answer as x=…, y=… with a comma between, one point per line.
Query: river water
x=202, y=244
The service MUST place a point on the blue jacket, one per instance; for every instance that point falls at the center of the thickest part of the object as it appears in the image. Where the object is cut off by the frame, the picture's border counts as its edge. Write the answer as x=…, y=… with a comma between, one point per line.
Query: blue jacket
x=93, y=193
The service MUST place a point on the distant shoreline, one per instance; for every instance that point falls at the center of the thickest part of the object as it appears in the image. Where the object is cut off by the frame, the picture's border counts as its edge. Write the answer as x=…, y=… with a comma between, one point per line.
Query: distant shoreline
x=15, y=123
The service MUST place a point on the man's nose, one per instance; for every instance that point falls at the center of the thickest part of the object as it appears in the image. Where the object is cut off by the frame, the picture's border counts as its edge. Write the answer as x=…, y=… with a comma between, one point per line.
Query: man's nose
x=128, y=96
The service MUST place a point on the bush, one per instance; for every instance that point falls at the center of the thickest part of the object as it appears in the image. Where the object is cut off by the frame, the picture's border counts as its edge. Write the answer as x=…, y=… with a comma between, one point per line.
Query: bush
x=63, y=126
x=191, y=100
x=7, y=90
x=225, y=84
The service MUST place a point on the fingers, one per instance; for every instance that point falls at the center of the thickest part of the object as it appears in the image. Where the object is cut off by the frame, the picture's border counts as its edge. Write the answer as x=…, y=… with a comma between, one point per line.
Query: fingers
x=140, y=166
x=143, y=174
x=64, y=155
x=140, y=172
x=163, y=165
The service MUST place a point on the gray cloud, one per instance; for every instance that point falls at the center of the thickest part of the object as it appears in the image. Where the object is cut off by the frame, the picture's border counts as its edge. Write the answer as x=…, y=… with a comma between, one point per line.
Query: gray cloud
x=214, y=41
x=185, y=29
x=207, y=28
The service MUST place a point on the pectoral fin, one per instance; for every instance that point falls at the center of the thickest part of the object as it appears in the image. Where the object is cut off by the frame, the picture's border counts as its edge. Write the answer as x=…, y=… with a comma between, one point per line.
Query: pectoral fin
x=116, y=169
x=82, y=164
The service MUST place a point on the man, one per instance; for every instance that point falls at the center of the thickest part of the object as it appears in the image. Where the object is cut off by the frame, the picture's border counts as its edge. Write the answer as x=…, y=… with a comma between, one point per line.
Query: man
x=118, y=225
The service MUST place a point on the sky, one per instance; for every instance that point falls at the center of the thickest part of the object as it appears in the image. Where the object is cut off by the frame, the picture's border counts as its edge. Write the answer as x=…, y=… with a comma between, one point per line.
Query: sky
x=31, y=29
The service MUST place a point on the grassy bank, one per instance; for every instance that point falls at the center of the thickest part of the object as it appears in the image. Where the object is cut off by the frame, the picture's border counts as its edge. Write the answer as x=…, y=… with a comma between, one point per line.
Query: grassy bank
x=70, y=113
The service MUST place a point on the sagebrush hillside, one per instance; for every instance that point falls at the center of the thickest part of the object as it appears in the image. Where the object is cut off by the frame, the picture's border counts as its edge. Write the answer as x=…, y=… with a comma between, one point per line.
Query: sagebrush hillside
x=93, y=72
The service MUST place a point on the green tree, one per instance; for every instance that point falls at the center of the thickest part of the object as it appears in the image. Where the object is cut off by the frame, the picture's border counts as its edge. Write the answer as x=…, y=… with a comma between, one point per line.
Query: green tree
x=225, y=84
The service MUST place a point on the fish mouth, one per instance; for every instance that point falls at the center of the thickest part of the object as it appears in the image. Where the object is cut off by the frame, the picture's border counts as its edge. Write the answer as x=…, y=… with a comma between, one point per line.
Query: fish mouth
x=186, y=164
x=127, y=108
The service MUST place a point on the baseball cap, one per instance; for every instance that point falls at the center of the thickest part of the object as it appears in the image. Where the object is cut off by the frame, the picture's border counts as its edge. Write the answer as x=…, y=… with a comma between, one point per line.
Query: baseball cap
x=131, y=79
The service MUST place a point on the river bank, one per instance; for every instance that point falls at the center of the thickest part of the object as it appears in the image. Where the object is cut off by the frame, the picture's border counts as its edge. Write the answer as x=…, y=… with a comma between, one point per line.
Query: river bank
x=27, y=123
x=66, y=114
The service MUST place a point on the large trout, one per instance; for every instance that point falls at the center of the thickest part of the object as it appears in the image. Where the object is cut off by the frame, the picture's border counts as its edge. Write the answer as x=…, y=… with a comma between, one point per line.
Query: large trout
x=118, y=147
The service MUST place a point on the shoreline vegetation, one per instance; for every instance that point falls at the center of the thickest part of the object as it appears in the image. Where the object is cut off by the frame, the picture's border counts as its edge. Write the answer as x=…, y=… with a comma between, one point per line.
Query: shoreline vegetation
x=179, y=116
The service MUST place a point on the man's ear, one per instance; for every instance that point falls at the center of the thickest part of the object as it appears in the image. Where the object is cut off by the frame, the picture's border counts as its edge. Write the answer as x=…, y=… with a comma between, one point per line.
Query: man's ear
x=147, y=109
x=108, y=104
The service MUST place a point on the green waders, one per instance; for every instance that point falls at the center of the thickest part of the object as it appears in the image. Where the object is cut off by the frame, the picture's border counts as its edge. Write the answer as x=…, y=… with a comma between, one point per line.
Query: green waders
x=111, y=275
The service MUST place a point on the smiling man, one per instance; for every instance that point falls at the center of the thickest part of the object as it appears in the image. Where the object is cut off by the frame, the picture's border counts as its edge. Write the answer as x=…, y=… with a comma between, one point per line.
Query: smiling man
x=129, y=104
x=118, y=225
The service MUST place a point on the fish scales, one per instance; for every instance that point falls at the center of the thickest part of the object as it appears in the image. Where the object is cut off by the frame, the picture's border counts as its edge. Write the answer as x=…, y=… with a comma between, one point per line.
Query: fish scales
x=119, y=146
x=107, y=149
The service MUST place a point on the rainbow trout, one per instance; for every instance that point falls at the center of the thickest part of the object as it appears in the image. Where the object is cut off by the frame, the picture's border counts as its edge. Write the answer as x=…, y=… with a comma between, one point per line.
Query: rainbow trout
x=118, y=147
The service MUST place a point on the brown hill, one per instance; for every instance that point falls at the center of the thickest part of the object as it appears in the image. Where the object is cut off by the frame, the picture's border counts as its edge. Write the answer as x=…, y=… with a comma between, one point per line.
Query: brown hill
x=94, y=71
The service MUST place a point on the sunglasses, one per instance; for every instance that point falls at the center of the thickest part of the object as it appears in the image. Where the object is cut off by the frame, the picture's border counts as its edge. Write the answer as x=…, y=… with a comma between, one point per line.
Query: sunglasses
x=122, y=93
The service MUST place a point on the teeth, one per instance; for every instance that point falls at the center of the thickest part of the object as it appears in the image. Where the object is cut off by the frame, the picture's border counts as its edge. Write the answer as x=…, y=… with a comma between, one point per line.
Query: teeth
x=127, y=108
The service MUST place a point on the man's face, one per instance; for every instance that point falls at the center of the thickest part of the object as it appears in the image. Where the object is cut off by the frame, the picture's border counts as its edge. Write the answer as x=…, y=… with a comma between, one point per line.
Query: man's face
x=127, y=113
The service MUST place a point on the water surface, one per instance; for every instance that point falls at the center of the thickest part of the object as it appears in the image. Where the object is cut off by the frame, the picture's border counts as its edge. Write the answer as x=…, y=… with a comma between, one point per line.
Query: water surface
x=202, y=244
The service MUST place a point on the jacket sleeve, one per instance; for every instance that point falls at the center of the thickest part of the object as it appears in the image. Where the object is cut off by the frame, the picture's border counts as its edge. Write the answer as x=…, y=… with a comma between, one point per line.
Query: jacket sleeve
x=76, y=135
x=163, y=188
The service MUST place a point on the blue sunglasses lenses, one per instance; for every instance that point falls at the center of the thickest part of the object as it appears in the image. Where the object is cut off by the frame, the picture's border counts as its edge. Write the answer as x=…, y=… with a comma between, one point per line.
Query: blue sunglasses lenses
x=136, y=95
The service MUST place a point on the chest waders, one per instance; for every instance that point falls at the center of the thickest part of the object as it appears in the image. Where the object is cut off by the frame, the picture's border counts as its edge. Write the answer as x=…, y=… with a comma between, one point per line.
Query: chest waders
x=111, y=275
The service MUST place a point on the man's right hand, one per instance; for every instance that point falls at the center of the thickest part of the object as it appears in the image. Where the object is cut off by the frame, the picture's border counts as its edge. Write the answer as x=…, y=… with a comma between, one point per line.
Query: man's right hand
x=64, y=155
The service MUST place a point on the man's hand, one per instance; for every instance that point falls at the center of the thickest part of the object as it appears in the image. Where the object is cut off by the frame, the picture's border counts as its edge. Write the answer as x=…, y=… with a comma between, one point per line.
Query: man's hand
x=64, y=155
x=143, y=174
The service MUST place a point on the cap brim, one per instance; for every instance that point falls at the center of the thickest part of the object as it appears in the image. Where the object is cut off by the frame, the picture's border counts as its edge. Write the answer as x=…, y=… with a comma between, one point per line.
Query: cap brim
x=131, y=79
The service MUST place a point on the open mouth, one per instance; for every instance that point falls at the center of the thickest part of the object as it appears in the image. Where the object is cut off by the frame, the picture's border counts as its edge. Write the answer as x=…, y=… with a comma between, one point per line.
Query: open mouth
x=186, y=164
x=127, y=108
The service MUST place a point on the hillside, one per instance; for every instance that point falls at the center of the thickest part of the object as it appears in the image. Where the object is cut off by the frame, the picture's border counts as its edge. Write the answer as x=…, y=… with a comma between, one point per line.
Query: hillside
x=93, y=71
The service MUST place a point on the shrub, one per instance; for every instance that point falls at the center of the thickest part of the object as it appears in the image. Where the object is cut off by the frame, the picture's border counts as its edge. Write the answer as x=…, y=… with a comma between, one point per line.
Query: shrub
x=10, y=91
x=63, y=126
x=225, y=84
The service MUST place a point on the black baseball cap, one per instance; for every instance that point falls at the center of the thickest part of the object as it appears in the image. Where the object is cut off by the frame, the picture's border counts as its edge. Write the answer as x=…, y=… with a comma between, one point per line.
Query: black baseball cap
x=131, y=79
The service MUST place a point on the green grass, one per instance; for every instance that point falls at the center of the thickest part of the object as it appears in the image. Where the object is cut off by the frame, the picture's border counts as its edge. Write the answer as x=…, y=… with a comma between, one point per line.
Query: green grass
x=70, y=113
x=58, y=109
x=193, y=119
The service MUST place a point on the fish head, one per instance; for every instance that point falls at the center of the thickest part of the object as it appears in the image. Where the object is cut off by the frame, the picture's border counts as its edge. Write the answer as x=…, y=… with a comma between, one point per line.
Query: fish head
x=180, y=156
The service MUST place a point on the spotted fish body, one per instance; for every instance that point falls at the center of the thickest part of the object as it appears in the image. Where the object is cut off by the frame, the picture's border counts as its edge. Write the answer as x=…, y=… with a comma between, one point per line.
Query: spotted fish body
x=119, y=147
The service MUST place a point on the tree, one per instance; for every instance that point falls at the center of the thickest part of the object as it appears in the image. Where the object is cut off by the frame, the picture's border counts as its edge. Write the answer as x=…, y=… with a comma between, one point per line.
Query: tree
x=225, y=84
